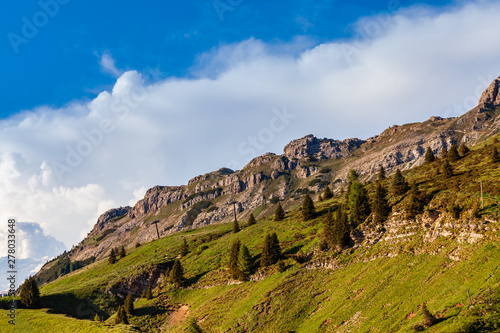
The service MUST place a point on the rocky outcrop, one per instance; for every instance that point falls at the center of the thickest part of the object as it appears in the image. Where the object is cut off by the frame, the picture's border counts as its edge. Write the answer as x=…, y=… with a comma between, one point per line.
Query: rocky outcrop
x=491, y=96
x=104, y=219
x=155, y=198
x=320, y=149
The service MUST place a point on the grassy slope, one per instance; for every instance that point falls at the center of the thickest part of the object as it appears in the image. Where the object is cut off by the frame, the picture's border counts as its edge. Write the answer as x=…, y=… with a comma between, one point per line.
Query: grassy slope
x=373, y=292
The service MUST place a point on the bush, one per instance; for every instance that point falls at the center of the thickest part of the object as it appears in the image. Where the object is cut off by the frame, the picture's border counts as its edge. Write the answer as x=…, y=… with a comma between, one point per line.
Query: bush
x=275, y=200
x=325, y=170
x=314, y=182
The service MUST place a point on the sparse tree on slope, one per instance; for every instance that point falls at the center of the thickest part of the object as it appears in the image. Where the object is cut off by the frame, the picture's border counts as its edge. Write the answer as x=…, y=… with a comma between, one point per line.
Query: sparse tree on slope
x=251, y=220
x=30, y=294
x=359, y=204
x=429, y=155
x=447, y=169
x=341, y=229
x=308, y=210
x=381, y=173
x=279, y=214
x=399, y=184
x=233, y=266
x=327, y=193
x=244, y=262
x=184, y=248
x=177, y=274
x=380, y=205
x=453, y=153
x=123, y=253
x=112, y=257
x=129, y=305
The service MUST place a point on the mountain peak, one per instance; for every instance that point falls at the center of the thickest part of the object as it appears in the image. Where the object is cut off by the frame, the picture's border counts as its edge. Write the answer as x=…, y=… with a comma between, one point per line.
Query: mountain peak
x=491, y=96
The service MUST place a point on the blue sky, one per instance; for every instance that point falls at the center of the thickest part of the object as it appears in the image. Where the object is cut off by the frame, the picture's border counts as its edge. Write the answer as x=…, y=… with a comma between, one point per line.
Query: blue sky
x=107, y=99
x=159, y=39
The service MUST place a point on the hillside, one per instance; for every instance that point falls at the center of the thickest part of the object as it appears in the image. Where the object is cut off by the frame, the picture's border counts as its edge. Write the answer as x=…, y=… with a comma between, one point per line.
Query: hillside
x=436, y=243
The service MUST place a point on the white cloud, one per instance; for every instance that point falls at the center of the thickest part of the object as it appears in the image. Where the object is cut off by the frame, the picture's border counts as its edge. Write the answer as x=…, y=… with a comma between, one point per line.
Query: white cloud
x=108, y=65
x=64, y=167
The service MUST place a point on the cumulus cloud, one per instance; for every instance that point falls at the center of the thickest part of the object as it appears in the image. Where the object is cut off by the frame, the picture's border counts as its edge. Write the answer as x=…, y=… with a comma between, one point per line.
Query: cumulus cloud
x=64, y=167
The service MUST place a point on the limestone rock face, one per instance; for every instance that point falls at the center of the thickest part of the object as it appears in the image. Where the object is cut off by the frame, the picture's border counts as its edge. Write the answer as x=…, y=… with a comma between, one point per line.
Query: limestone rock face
x=102, y=221
x=491, y=96
x=320, y=149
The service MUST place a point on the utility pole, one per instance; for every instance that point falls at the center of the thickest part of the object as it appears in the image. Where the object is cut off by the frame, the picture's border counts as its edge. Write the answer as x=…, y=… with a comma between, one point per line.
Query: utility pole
x=482, y=201
x=234, y=208
x=155, y=222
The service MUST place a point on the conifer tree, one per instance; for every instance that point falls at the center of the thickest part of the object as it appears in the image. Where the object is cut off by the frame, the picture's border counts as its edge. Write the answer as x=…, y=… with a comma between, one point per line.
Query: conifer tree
x=327, y=236
x=234, y=269
x=447, y=169
x=381, y=173
x=121, y=316
x=149, y=293
x=279, y=213
x=123, y=253
x=308, y=210
x=244, y=262
x=327, y=193
x=193, y=327
x=495, y=157
x=236, y=226
x=30, y=294
x=359, y=204
x=251, y=220
x=351, y=178
x=340, y=229
x=112, y=257
x=184, y=248
x=444, y=153
x=429, y=155
x=177, y=274
x=463, y=150
x=399, y=184
x=414, y=205
x=266, y=257
x=275, y=248
x=429, y=319
x=453, y=153
x=380, y=205
x=129, y=305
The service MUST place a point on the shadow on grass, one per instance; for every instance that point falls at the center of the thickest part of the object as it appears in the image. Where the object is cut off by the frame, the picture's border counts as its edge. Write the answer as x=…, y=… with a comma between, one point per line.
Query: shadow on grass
x=73, y=306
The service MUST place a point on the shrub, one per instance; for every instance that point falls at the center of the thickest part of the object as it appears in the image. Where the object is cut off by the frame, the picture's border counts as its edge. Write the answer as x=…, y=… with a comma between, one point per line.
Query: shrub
x=275, y=200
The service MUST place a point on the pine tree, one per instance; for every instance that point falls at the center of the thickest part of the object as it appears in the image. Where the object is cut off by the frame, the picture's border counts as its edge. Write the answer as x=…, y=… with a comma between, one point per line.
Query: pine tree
x=266, y=257
x=327, y=236
x=244, y=262
x=123, y=253
x=351, y=178
x=429, y=155
x=327, y=193
x=184, y=248
x=308, y=210
x=453, y=153
x=177, y=274
x=447, y=169
x=275, y=248
x=444, y=153
x=381, y=173
x=121, y=316
x=112, y=257
x=495, y=157
x=251, y=220
x=380, y=205
x=340, y=229
x=149, y=293
x=399, y=184
x=234, y=269
x=30, y=294
x=129, y=305
x=429, y=319
x=359, y=204
x=463, y=150
x=193, y=327
x=279, y=213
x=236, y=226
x=414, y=205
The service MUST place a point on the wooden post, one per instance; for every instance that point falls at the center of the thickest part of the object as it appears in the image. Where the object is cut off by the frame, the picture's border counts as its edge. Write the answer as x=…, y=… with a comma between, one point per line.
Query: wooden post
x=482, y=201
x=470, y=302
x=155, y=222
